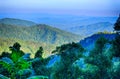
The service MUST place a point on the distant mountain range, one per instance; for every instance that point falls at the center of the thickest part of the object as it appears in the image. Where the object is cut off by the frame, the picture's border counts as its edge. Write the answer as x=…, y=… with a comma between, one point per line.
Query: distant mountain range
x=91, y=29
x=17, y=22
x=62, y=21
x=24, y=30
x=85, y=28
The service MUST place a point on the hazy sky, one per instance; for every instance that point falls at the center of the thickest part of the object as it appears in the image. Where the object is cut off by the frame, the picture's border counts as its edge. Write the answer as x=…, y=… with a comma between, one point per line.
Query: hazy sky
x=75, y=7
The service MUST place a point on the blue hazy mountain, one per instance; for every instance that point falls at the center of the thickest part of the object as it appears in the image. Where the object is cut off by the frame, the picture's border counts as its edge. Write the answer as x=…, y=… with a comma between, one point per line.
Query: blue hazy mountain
x=91, y=29
x=62, y=21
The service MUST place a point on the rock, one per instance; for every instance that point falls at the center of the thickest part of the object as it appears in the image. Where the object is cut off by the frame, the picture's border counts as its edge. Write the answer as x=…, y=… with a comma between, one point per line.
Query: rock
x=38, y=77
x=3, y=77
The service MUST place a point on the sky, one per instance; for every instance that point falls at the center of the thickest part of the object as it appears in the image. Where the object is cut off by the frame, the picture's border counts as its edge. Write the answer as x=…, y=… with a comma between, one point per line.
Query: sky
x=73, y=7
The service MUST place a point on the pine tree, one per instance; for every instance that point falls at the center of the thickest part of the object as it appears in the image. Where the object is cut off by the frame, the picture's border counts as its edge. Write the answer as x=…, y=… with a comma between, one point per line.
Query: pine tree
x=39, y=53
x=117, y=25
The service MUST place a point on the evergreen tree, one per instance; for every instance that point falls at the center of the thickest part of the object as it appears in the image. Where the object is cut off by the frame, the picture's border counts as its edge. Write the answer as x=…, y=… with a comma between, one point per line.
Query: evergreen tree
x=39, y=53
x=116, y=46
x=117, y=25
x=116, y=42
x=99, y=60
x=69, y=54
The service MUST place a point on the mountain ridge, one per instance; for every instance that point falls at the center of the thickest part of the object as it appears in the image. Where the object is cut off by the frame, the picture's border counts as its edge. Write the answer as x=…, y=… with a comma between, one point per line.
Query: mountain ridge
x=17, y=22
x=92, y=28
x=39, y=32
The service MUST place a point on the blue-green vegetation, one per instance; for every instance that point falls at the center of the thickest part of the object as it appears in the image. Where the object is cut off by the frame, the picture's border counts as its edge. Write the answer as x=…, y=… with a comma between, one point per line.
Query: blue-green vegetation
x=69, y=61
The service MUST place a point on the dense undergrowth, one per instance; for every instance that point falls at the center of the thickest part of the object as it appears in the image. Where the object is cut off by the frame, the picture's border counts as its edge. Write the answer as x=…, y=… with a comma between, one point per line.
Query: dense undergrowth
x=69, y=61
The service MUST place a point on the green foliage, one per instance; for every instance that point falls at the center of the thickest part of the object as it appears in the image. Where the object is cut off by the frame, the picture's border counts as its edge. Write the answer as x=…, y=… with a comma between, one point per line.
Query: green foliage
x=15, y=55
x=19, y=65
x=98, y=64
x=116, y=46
x=116, y=71
x=90, y=72
x=16, y=52
x=99, y=59
x=69, y=53
x=68, y=46
x=75, y=72
x=14, y=68
x=99, y=45
x=39, y=77
x=19, y=62
x=23, y=73
x=6, y=66
x=22, y=64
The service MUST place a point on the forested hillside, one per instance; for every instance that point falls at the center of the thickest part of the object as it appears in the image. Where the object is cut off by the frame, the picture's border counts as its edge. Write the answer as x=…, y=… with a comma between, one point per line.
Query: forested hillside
x=33, y=36
x=41, y=32
x=18, y=22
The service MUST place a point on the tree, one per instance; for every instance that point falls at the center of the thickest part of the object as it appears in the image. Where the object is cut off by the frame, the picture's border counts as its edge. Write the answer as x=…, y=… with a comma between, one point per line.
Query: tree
x=39, y=52
x=16, y=46
x=69, y=53
x=16, y=52
x=100, y=60
x=117, y=25
x=5, y=54
x=116, y=42
x=116, y=46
